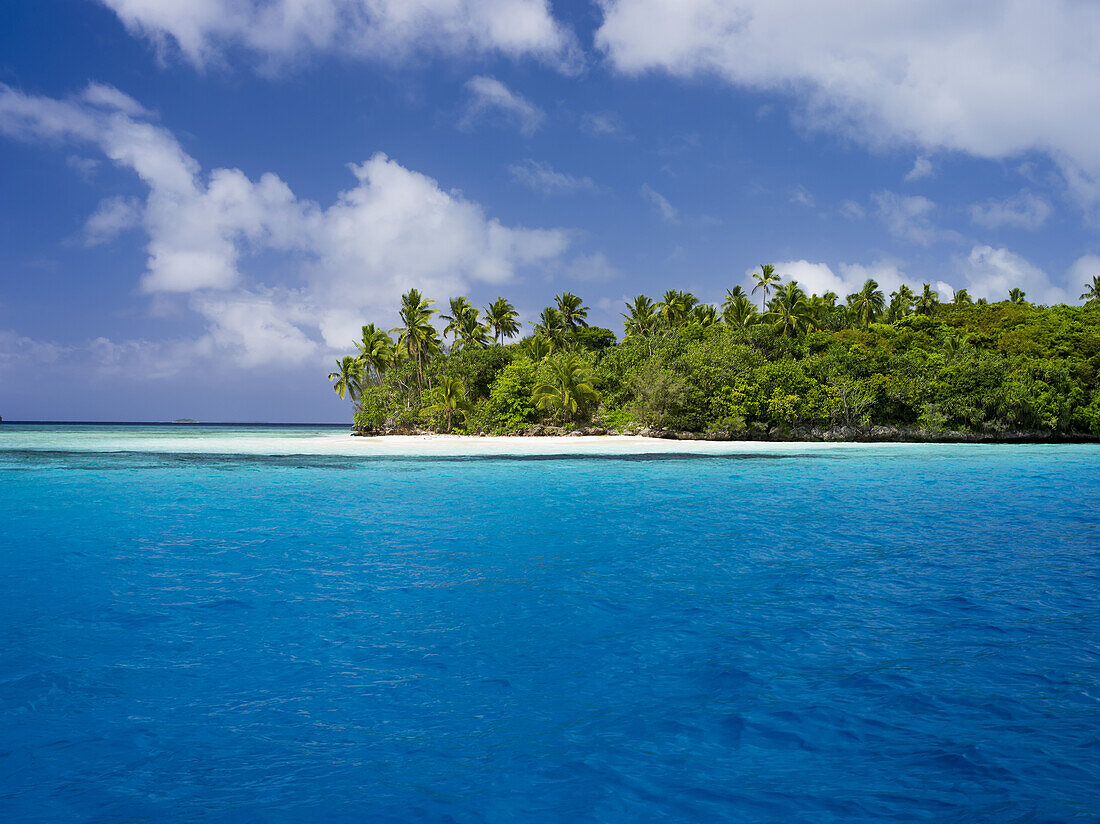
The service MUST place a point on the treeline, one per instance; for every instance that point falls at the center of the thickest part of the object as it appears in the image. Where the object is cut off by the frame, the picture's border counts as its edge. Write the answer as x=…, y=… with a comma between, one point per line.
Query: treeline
x=738, y=369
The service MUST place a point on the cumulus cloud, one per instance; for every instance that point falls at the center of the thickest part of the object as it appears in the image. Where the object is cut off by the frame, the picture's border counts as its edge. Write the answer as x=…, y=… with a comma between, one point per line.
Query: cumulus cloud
x=1023, y=210
x=393, y=228
x=488, y=97
x=986, y=272
x=541, y=177
x=992, y=272
x=660, y=204
x=275, y=31
x=992, y=78
x=819, y=278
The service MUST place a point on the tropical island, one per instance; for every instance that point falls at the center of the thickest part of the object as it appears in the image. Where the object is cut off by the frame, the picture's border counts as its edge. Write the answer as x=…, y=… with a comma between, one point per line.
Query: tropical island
x=797, y=366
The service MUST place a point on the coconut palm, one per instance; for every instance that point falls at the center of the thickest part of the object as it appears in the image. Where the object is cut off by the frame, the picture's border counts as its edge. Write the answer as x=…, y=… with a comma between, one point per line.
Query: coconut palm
x=551, y=327
x=867, y=304
x=901, y=303
x=1017, y=296
x=962, y=298
x=954, y=347
x=789, y=313
x=375, y=351
x=676, y=307
x=739, y=311
x=348, y=378
x=501, y=317
x=416, y=335
x=927, y=301
x=1092, y=290
x=460, y=309
x=640, y=319
x=569, y=390
x=705, y=314
x=537, y=348
x=448, y=399
x=473, y=334
x=732, y=296
x=766, y=281
x=572, y=308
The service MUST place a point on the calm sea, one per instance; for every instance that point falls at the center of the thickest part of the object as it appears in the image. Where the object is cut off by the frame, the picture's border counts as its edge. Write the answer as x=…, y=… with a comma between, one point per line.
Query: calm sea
x=243, y=625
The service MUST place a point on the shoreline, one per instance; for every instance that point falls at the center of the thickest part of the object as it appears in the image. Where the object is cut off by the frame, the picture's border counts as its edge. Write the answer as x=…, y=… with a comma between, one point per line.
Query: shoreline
x=335, y=443
x=833, y=435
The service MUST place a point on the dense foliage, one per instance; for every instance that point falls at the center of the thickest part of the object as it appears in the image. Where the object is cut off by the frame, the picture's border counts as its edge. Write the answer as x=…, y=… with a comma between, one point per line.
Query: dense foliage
x=737, y=370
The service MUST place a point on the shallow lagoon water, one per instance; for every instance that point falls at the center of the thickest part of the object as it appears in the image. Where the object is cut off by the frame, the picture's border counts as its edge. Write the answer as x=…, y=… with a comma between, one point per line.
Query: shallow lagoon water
x=253, y=626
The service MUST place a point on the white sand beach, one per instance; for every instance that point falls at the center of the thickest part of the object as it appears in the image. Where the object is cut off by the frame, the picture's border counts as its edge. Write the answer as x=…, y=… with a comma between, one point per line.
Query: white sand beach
x=276, y=440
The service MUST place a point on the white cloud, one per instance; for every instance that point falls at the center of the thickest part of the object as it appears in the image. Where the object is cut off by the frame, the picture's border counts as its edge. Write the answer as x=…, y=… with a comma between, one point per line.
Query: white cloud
x=488, y=96
x=802, y=196
x=922, y=168
x=543, y=178
x=991, y=272
x=277, y=31
x=391, y=230
x=660, y=204
x=910, y=218
x=1081, y=273
x=1023, y=210
x=819, y=278
x=114, y=216
x=992, y=78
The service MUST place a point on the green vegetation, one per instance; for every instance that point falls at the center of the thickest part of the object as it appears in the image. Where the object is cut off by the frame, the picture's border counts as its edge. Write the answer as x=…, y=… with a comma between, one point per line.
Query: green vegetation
x=794, y=367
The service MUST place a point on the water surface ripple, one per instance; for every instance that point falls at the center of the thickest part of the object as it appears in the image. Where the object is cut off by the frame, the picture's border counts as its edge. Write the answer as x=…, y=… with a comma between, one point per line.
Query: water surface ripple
x=850, y=635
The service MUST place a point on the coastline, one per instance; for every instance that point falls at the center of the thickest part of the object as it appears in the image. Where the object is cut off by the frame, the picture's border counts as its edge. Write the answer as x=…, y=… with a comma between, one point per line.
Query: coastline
x=327, y=442
x=876, y=434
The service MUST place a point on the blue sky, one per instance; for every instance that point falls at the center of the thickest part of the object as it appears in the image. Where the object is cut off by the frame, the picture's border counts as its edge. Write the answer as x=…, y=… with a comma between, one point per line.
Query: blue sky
x=202, y=201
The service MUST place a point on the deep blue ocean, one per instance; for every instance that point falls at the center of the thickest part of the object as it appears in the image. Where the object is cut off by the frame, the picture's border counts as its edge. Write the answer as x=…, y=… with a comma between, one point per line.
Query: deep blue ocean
x=810, y=634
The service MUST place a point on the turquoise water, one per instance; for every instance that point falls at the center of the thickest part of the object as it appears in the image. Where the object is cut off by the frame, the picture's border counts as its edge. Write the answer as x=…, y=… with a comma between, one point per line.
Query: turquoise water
x=774, y=634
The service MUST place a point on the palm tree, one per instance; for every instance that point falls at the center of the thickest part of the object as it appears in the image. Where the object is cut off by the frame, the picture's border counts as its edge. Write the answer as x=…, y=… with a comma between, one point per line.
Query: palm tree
x=676, y=307
x=640, y=318
x=901, y=303
x=572, y=308
x=954, y=347
x=473, y=334
x=766, y=280
x=732, y=296
x=551, y=327
x=537, y=348
x=1092, y=290
x=739, y=311
x=927, y=302
x=349, y=378
x=460, y=309
x=962, y=298
x=569, y=390
x=789, y=312
x=375, y=351
x=867, y=304
x=822, y=306
x=416, y=335
x=1017, y=296
x=705, y=314
x=448, y=398
x=501, y=317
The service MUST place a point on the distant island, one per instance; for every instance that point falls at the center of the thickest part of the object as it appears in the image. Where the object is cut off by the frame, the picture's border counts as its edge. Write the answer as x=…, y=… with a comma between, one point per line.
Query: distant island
x=797, y=366
x=185, y=420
